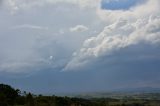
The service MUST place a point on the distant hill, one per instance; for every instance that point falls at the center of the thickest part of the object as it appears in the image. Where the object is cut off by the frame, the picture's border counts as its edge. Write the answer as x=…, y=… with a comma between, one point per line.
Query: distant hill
x=138, y=93
x=139, y=90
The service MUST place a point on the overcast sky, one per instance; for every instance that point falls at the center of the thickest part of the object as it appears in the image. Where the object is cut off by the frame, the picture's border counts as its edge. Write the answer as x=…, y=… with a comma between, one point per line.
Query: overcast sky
x=54, y=46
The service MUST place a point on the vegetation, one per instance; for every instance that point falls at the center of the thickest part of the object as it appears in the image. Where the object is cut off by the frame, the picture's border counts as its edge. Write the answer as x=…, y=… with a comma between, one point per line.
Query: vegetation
x=14, y=97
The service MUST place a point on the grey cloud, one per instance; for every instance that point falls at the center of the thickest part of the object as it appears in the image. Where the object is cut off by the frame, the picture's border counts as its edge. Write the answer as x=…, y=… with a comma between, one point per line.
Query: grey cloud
x=28, y=38
x=15, y=5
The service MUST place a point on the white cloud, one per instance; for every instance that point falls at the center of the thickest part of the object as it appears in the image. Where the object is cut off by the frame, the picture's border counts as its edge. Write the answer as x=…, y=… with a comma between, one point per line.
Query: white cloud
x=51, y=57
x=118, y=35
x=27, y=26
x=79, y=28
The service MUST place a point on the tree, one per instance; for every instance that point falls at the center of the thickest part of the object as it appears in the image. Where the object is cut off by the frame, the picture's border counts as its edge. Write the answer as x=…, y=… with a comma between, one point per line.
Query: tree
x=30, y=100
x=9, y=93
x=3, y=100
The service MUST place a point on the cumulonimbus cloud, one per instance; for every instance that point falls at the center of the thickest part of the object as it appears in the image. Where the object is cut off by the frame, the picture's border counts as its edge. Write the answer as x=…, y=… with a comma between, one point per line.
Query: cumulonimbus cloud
x=120, y=34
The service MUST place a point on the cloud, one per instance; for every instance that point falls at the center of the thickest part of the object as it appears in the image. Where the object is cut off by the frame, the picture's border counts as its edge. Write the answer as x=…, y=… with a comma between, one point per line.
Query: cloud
x=51, y=57
x=79, y=28
x=119, y=35
x=121, y=30
x=28, y=65
x=15, y=5
x=27, y=26
x=34, y=33
x=129, y=27
x=138, y=11
x=118, y=47
x=15, y=67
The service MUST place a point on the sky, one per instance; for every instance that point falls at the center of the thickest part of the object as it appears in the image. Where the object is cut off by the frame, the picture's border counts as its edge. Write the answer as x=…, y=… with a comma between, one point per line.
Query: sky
x=65, y=46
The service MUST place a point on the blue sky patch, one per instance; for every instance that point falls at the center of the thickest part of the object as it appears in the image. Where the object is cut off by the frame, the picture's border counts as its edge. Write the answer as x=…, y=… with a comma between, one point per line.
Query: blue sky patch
x=119, y=4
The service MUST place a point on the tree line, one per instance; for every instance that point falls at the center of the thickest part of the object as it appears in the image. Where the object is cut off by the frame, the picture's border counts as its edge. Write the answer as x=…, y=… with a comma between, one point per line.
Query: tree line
x=14, y=97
